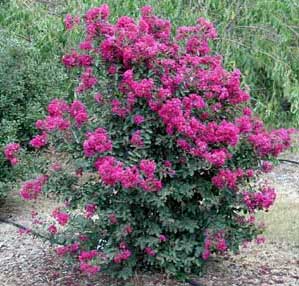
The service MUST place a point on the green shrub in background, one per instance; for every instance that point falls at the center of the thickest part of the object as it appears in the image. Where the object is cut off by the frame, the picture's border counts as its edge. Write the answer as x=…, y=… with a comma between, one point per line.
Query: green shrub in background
x=30, y=74
x=27, y=82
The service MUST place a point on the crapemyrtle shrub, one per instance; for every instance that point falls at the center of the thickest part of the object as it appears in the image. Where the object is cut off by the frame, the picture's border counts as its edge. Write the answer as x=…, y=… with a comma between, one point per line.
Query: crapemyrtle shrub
x=163, y=150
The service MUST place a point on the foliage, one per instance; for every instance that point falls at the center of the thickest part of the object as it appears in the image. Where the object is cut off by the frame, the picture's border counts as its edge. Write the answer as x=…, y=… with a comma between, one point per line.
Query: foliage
x=164, y=152
x=29, y=77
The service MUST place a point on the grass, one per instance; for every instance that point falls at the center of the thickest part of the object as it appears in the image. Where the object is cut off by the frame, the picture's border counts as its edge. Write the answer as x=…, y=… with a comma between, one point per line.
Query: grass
x=282, y=222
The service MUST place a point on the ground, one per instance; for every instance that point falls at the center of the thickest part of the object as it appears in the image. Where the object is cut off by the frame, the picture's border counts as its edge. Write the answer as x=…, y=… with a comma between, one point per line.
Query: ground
x=27, y=261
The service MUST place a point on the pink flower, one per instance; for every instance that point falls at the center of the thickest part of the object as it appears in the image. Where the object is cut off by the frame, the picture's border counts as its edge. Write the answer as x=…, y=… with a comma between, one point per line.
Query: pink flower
x=52, y=229
x=97, y=142
x=56, y=167
x=250, y=173
x=138, y=119
x=74, y=247
x=221, y=244
x=136, y=139
x=110, y=170
x=57, y=107
x=123, y=255
x=148, y=167
x=87, y=255
x=267, y=166
x=68, y=21
x=62, y=250
x=39, y=140
x=130, y=177
x=31, y=189
x=61, y=217
x=98, y=97
x=206, y=254
x=118, y=109
x=98, y=13
x=247, y=111
x=83, y=237
x=128, y=229
x=89, y=269
x=86, y=45
x=217, y=157
x=151, y=185
x=87, y=79
x=260, y=200
x=149, y=251
x=260, y=240
x=162, y=238
x=51, y=123
x=90, y=209
x=78, y=112
x=113, y=219
x=10, y=152
x=225, y=178
x=14, y=161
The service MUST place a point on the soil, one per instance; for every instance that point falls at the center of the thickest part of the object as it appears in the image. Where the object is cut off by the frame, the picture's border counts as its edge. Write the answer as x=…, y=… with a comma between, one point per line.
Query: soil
x=26, y=260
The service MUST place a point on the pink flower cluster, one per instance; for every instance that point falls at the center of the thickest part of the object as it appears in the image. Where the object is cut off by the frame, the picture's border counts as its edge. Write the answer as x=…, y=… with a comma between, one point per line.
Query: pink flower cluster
x=227, y=178
x=267, y=166
x=88, y=80
x=39, y=141
x=66, y=249
x=52, y=229
x=112, y=172
x=70, y=21
x=78, y=112
x=59, y=115
x=149, y=251
x=61, y=217
x=113, y=219
x=30, y=190
x=90, y=210
x=128, y=229
x=138, y=119
x=77, y=60
x=214, y=242
x=162, y=238
x=55, y=120
x=10, y=152
x=272, y=143
x=136, y=139
x=87, y=255
x=260, y=200
x=123, y=255
x=89, y=268
x=97, y=142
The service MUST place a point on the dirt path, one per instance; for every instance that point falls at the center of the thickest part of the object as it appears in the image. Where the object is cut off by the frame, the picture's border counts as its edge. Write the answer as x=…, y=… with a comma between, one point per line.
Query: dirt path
x=26, y=261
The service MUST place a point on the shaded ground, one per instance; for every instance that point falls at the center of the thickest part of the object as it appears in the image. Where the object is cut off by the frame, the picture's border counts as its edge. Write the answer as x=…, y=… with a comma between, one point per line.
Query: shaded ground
x=26, y=261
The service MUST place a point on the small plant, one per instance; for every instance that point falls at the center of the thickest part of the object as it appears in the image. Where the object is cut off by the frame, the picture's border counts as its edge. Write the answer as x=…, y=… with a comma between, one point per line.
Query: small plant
x=163, y=150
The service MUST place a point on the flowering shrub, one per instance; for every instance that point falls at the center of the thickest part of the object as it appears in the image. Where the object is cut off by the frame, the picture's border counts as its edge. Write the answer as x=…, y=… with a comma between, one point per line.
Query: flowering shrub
x=165, y=149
